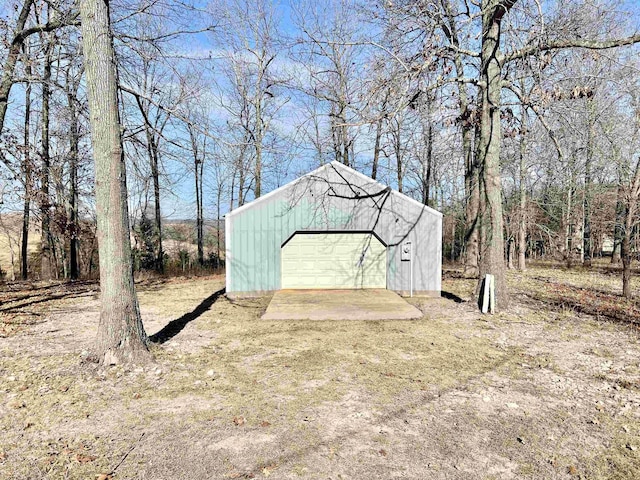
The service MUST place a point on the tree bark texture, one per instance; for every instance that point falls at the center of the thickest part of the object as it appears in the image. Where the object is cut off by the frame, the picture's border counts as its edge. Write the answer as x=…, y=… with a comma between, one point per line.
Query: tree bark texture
x=588, y=187
x=157, y=227
x=427, y=163
x=12, y=57
x=472, y=199
x=26, y=170
x=376, y=149
x=121, y=337
x=258, y=139
x=522, y=190
x=617, y=229
x=198, y=165
x=396, y=134
x=491, y=221
x=472, y=206
x=48, y=268
x=74, y=228
x=633, y=196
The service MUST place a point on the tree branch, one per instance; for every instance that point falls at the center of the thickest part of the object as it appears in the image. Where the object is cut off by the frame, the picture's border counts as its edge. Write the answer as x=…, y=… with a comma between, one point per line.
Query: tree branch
x=68, y=21
x=572, y=43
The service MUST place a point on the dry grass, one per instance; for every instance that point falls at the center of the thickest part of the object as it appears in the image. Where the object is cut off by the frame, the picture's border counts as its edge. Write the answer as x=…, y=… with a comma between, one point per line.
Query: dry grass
x=10, y=238
x=534, y=392
x=596, y=291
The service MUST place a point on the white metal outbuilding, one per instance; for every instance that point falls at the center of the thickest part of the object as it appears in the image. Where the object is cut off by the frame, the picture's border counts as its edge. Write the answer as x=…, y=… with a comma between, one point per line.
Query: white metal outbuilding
x=333, y=228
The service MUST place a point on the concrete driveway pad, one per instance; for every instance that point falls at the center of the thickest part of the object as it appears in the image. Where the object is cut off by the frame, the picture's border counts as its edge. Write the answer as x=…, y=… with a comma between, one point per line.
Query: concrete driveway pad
x=373, y=304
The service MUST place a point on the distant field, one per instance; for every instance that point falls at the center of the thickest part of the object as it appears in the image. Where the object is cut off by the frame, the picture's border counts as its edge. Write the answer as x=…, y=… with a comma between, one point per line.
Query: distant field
x=10, y=240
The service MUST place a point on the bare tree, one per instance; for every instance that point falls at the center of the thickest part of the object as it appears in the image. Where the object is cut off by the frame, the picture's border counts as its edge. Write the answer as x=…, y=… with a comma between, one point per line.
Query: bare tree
x=632, y=196
x=73, y=78
x=48, y=265
x=253, y=95
x=328, y=49
x=26, y=171
x=20, y=33
x=121, y=336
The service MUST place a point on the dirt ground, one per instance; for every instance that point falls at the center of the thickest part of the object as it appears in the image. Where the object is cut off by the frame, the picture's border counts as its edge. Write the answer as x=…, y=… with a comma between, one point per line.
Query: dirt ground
x=548, y=389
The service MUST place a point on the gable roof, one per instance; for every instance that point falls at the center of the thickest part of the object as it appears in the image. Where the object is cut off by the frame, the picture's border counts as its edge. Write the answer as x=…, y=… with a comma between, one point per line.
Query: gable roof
x=337, y=166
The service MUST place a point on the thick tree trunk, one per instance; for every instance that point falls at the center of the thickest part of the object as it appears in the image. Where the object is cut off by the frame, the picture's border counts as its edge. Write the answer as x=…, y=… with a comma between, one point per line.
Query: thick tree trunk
x=121, y=337
x=491, y=221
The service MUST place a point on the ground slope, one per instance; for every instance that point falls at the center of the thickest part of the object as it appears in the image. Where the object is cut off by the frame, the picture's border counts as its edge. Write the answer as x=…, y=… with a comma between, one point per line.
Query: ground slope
x=542, y=391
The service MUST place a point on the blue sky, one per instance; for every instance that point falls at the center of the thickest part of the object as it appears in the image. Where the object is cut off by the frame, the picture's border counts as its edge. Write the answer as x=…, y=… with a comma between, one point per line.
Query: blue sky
x=178, y=195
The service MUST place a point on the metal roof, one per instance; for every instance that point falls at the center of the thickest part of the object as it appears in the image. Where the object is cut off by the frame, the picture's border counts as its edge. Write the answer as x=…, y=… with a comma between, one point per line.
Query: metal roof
x=336, y=165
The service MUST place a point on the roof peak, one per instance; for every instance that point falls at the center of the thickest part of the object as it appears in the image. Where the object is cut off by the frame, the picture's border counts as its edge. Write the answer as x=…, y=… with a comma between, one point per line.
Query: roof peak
x=334, y=164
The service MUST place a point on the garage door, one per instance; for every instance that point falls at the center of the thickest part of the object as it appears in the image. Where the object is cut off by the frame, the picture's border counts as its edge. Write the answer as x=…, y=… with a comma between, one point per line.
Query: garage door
x=334, y=260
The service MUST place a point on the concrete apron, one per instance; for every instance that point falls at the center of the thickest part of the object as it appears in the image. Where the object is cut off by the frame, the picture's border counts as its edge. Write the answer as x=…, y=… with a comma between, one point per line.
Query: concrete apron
x=373, y=304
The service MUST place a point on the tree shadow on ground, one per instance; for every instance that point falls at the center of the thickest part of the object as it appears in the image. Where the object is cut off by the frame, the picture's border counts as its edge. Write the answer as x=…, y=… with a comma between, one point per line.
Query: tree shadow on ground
x=174, y=327
x=451, y=296
x=14, y=303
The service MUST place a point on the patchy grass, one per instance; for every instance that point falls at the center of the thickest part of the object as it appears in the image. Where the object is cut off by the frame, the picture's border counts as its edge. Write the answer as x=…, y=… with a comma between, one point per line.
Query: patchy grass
x=584, y=291
x=10, y=243
x=29, y=303
x=534, y=392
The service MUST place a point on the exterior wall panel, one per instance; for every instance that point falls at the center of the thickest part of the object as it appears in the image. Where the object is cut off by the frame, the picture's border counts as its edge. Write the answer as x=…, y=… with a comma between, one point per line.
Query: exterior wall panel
x=332, y=198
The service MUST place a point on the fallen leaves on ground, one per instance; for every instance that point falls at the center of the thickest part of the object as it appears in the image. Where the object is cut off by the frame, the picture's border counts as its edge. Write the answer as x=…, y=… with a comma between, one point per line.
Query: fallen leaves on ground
x=238, y=421
x=82, y=458
x=584, y=300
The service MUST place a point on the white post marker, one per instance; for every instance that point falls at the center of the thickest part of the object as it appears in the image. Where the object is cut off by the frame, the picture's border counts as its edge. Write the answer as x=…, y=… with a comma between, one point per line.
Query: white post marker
x=411, y=265
x=406, y=255
x=488, y=294
x=492, y=294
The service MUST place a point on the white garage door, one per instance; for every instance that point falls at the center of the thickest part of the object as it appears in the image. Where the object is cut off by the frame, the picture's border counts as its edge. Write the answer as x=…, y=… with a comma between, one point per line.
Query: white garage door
x=334, y=260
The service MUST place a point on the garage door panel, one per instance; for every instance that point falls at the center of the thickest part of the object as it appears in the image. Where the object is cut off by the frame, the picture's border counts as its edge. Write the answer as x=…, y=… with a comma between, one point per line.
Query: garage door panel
x=334, y=260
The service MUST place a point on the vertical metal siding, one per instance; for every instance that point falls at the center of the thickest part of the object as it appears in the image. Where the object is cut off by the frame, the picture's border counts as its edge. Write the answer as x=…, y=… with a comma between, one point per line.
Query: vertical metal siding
x=325, y=201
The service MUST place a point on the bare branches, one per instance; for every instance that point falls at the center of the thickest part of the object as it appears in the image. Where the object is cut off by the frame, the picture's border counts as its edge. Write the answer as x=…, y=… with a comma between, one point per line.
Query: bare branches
x=72, y=19
x=572, y=43
x=165, y=36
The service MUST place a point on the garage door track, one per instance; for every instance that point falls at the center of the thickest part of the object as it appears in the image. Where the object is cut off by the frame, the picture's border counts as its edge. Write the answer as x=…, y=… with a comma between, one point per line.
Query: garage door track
x=371, y=304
